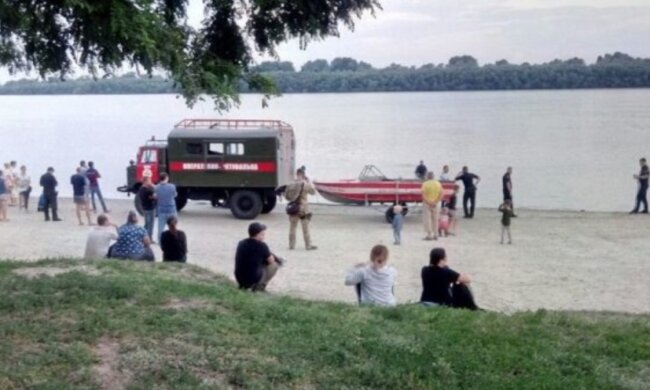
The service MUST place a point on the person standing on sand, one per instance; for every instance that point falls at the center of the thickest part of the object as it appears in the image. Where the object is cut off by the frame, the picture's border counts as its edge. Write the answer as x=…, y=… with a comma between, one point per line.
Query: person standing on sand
x=421, y=170
x=165, y=193
x=255, y=265
x=99, y=238
x=506, y=210
x=470, y=181
x=4, y=197
x=450, y=204
x=93, y=176
x=24, y=188
x=431, y=196
x=14, y=179
x=397, y=223
x=642, y=193
x=298, y=192
x=148, y=201
x=442, y=286
x=374, y=282
x=49, y=183
x=507, y=189
x=80, y=197
x=9, y=183
x=444, y=176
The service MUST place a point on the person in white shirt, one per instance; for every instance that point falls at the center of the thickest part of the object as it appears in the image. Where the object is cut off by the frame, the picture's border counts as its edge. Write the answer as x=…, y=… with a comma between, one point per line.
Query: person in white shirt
x=444, y=176
x=100, y=237
x=375, y=281
x=24, y=188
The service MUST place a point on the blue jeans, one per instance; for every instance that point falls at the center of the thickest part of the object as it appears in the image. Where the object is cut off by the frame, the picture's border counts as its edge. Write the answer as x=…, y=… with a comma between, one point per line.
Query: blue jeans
x=149, y=217
x=96, y=191
x=162, y=221
x=398, y=221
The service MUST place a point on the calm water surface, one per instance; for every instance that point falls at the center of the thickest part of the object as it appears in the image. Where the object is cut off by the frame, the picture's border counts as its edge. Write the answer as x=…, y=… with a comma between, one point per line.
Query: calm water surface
x=569, y=149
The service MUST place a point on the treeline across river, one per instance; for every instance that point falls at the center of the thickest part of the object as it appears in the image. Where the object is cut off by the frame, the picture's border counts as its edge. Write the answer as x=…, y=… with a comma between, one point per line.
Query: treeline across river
x=461, y=73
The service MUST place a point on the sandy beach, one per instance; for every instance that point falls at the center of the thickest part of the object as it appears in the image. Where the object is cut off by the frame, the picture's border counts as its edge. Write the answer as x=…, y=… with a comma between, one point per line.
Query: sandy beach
x=559, y=260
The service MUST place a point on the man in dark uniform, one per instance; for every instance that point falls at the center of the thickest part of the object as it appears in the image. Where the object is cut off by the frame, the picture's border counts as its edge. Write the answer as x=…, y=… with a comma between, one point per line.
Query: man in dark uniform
x=470, y=181
x=49, y=183
x=507, y=189
x=421, y=170
x=642, y=194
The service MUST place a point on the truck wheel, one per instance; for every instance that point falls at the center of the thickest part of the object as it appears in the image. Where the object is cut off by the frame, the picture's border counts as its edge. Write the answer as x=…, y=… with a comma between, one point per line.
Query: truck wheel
x=181, y=201
x=271, y=200
x=245, y=204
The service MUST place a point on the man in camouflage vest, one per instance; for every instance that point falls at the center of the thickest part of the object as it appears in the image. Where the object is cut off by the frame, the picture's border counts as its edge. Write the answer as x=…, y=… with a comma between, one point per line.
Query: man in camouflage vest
x=298, y=191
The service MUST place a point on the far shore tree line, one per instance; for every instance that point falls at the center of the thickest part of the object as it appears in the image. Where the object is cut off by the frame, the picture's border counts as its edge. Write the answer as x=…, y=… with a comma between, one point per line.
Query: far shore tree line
x=460, y=73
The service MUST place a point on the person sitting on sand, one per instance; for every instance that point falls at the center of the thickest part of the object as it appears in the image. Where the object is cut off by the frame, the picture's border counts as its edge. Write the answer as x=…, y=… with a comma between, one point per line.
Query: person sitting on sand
x=255, y=265
x=133, y=243
x=443, y=222
x=375, y=281
x=173, y=242
x=443, y=286
x=100, y=237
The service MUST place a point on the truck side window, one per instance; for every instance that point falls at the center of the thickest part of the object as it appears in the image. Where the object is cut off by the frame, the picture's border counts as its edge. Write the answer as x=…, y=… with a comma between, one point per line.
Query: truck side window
x=215, y=149
x=194, y=148
x=236, y=149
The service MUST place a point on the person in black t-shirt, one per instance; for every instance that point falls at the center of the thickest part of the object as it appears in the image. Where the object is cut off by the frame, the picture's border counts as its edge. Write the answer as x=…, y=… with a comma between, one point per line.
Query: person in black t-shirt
x=507, y=189
x=148, y=202
x=255, y=265
x=49, y=184
x=642, y=193
x=444, y=286
x=421, y=170
x=173, y=242
x=470, y=181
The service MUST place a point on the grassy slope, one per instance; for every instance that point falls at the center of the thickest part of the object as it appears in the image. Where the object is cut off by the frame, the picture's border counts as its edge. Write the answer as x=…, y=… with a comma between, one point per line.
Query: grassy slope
x=50, y=329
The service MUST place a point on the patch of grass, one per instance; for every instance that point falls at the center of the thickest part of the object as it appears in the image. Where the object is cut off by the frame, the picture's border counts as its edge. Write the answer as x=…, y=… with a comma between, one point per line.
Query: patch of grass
x=178, y=326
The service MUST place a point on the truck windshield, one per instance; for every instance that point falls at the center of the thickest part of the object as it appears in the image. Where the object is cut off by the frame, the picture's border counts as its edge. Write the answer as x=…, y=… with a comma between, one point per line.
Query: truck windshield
x=149, y=156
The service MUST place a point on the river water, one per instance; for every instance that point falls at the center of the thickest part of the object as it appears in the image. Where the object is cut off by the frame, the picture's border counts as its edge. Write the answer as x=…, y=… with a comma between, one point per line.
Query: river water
x=570, y=149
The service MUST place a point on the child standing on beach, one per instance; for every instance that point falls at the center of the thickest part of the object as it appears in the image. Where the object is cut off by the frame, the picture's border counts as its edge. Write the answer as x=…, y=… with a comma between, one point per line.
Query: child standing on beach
x=443, y=222
x=398, y=221
x=506, y=211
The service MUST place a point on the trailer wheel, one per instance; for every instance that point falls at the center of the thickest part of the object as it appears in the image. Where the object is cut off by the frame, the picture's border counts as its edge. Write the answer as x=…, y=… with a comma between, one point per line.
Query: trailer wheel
x=271, y=201
x=245, y=204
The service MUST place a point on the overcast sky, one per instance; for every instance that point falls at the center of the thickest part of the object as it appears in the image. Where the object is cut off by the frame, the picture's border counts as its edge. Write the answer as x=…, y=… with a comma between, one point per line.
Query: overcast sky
x=415, y=32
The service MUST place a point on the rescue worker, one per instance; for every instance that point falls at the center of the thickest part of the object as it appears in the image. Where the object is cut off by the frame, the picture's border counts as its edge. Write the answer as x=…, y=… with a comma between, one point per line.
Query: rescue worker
x=298, y=193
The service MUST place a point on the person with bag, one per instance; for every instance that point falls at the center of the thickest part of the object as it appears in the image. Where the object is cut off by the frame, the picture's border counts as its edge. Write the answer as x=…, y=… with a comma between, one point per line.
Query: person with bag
x=298, y=208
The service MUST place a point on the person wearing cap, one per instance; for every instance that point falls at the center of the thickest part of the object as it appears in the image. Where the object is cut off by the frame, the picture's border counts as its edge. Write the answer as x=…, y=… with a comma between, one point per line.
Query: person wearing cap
x=255, y=265
x=298, y=192
x=132, y=243
x=49, y=183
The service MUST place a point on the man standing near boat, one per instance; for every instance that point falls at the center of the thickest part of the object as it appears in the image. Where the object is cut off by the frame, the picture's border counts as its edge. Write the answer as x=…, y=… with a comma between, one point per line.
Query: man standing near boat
x=431, y=196
x=470, y=181
x=421, y=170
x=298, y=193
x=507, y=189
x=642, y=193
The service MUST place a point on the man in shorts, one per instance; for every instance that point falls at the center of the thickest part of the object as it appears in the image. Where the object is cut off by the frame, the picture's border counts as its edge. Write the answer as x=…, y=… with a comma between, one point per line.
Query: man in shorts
x=80, y=195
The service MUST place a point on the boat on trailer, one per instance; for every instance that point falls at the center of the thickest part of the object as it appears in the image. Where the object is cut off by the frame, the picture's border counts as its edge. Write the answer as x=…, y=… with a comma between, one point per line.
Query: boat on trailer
x=372, y=186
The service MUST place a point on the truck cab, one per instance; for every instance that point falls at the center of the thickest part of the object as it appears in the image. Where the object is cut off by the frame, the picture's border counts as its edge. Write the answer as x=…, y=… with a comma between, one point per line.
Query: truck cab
x=232, y=163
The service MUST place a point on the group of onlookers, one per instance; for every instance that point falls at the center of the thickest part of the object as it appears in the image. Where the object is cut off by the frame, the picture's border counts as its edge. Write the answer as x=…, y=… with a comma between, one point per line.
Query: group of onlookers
x=132, y=241
x=444, y=222
x=15, y=187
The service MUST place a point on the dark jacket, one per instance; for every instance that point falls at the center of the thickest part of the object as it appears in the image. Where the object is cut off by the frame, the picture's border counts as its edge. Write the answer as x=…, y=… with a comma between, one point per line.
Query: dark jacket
x=49, y=183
